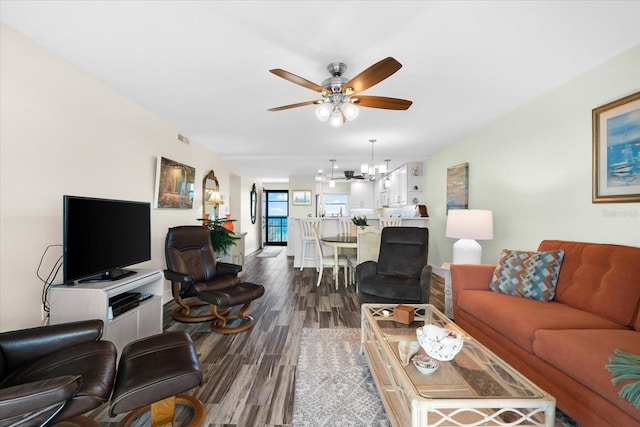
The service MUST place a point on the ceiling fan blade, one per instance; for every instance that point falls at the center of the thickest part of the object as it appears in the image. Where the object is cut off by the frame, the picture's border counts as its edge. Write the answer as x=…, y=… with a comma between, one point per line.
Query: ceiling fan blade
x=299, y=104
x=372, y=75
x=299, y=80
x=381, y=102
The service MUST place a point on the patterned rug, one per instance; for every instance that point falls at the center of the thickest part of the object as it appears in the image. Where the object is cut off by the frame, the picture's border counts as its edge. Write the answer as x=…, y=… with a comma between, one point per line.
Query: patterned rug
x=334, y=386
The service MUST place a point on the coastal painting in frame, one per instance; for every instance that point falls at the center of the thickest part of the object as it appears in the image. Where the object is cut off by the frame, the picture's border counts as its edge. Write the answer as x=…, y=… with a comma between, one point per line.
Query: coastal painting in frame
x=302, y=197
x=174, y=185
x=458, y=187
x=616, y=151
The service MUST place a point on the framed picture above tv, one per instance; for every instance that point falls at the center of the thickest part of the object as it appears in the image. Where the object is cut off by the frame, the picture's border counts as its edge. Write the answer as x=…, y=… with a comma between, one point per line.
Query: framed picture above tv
x=174, y=185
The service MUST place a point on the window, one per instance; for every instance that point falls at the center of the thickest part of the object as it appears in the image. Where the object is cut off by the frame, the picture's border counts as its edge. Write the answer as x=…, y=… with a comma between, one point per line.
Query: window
x=335, y=204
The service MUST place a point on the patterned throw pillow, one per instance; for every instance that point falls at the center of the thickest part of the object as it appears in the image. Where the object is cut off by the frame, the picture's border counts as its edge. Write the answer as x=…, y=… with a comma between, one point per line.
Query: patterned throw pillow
x=527, y=274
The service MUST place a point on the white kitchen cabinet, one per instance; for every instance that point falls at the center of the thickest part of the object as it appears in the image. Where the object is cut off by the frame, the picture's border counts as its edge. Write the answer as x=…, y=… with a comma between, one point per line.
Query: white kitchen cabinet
x=361, y=195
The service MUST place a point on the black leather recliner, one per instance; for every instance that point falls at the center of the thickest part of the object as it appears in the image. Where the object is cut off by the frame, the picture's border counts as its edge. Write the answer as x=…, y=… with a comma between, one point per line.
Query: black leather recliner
x=192, y=269
x=401, y=274
x=49, y=374
x=57, y=373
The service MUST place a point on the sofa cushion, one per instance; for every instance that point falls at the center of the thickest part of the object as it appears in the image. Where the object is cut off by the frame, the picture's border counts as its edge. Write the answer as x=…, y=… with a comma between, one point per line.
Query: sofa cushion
x=518, y=318
x=583, y=354
x=603, y=279
x=527, y=274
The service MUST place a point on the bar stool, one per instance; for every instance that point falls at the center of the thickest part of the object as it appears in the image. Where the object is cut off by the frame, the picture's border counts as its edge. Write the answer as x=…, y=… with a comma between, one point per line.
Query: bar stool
x=308, y=240
x=390, y=222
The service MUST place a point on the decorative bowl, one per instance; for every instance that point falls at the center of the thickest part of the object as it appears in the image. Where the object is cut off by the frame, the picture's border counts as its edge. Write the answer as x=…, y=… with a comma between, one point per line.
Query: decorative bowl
x=425, y=364
x=439, y=343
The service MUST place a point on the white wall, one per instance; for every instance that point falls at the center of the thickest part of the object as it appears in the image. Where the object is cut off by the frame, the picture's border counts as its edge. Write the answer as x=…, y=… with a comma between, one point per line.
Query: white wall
x=63, y=132
x=533, y=169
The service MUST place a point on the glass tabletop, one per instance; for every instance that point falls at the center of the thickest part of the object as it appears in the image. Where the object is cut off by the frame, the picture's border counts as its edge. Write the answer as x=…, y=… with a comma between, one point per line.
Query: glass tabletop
x=475, y=372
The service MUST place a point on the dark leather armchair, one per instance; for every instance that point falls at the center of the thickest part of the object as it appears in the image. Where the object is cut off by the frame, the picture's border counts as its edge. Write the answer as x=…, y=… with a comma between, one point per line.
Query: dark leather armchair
x=53, y=373
x=193, y=269
x=401, y=274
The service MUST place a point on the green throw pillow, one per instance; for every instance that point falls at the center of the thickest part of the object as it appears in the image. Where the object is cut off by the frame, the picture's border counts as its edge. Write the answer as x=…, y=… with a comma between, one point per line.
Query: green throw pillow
x=527, y=274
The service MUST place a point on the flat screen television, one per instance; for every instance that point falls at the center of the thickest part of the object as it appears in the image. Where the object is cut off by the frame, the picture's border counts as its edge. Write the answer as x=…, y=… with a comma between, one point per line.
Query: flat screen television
x=102, y=236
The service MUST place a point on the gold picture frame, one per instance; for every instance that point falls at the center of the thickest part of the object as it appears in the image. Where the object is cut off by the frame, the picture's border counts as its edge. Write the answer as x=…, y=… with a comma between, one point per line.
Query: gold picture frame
x=616, y=151
x=301, y=197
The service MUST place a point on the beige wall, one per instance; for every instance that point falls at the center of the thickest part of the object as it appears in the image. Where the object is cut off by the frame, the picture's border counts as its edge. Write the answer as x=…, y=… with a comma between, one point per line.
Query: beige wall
x=533, y=169
x=63, y=132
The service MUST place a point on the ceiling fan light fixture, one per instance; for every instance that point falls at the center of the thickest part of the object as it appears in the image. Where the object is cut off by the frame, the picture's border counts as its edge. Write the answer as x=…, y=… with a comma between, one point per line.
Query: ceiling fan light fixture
x=323, y=112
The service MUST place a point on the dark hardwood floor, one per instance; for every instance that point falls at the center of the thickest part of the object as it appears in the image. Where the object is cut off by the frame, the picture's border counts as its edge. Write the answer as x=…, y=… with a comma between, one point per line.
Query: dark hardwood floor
x=250, y=376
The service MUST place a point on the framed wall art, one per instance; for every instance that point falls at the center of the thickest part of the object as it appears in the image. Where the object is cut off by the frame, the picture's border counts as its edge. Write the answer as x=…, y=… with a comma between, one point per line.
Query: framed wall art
x=458, y=187
x=174, y=185
x=616, y=151
x=301, y=197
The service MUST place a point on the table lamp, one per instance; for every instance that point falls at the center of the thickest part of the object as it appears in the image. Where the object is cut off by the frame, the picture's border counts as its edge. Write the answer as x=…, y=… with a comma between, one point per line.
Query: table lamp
x=469, y=225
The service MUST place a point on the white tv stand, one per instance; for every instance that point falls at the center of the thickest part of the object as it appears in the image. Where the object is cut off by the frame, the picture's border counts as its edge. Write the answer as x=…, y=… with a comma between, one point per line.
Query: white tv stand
x=85, y=301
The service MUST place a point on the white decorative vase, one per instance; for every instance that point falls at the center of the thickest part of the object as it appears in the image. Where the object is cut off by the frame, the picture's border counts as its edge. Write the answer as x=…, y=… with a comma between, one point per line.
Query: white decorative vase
x=439, y=343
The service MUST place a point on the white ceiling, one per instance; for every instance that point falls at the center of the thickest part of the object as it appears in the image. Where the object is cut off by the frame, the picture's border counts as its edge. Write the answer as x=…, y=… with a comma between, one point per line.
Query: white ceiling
x=203, y=66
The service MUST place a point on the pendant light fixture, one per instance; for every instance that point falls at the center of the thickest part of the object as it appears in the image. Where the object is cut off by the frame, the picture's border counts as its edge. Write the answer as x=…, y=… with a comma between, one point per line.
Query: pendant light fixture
x=370, y=170
x=332, y=182
x=387, y=180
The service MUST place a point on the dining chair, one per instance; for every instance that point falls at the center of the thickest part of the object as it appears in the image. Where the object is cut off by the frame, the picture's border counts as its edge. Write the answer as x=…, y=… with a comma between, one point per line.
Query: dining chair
x=307, y=240
x=367, y=250
x=390, y=222
x=326, y=261
x=345, y=226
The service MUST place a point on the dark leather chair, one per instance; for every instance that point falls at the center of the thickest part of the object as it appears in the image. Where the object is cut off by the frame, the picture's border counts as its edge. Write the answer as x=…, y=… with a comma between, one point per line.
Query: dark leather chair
x=193, y=269
x=53, y=373
x=401, y=274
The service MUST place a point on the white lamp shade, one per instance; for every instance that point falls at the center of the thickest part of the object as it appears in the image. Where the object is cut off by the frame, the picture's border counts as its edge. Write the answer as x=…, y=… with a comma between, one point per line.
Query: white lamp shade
x=470, y=224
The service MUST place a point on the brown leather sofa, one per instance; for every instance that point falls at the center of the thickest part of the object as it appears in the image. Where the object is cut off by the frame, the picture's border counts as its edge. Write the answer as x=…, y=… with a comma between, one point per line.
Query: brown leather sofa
x=563, y=345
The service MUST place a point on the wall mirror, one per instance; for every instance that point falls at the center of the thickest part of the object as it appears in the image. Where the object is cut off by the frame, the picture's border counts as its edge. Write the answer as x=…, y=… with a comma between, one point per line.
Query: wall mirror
x=211, y=199
x=254, y=197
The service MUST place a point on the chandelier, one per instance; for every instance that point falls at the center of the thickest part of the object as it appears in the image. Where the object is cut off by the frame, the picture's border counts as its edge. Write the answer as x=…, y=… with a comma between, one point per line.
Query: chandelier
x=371, y=170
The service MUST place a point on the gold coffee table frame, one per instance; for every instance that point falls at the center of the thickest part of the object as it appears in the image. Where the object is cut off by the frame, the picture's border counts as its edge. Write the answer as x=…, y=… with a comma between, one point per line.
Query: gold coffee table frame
x=475, y=388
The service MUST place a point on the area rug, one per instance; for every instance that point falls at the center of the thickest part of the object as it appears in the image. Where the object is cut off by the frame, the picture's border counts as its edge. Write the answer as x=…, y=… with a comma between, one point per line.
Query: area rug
x=270, y=252
x=334, y=385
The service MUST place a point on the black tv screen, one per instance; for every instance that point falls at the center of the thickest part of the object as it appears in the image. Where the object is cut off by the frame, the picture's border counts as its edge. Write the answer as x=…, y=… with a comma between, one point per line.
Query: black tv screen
x=103, y=236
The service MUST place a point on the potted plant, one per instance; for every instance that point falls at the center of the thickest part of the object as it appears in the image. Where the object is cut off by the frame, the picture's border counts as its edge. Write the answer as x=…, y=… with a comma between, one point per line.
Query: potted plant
x=221, y=238
x=360, y=221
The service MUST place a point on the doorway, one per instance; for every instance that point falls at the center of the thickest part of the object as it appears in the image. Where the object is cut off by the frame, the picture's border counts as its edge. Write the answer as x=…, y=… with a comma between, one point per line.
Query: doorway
x=276, y=216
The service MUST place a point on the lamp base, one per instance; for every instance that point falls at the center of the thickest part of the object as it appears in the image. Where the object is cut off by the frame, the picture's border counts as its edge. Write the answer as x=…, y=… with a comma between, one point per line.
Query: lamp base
x=467, y=251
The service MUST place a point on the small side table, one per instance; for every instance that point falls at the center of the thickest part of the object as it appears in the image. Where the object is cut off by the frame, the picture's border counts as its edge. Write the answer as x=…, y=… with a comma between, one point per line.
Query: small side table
x=445, y=272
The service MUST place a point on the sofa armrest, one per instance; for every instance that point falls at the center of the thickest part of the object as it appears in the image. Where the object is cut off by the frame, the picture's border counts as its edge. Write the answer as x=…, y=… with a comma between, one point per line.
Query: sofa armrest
x=23, y=346
x=225, y=268
x=469, y=276
x=37, y=401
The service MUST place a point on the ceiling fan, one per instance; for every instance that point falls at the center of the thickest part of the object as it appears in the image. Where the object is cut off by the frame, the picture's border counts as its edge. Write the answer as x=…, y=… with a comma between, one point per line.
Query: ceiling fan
x=341, y=96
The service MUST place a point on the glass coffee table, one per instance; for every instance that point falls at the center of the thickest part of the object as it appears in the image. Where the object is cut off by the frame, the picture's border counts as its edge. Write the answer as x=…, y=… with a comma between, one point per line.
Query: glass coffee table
x=475, y=388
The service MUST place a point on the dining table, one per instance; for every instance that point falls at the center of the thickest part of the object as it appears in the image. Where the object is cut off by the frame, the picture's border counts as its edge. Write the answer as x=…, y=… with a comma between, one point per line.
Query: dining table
x=337, y=242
